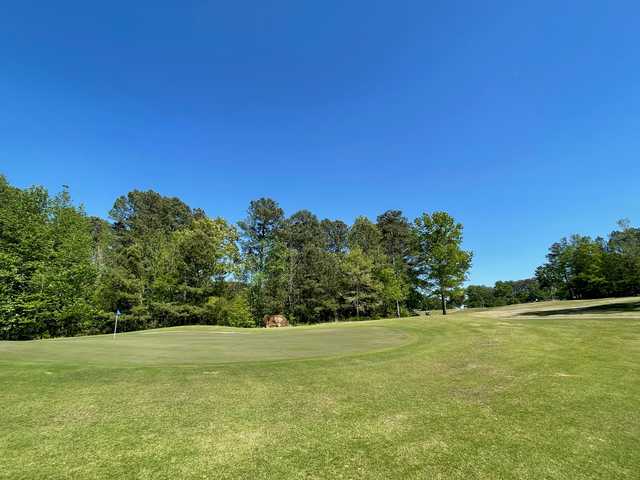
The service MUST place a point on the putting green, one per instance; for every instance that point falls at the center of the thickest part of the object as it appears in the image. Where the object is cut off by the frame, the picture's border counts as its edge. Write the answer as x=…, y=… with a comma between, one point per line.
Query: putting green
x=197, y=345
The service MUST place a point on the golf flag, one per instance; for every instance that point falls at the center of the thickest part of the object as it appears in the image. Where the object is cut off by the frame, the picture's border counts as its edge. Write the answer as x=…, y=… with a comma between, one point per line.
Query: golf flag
x=115, y=327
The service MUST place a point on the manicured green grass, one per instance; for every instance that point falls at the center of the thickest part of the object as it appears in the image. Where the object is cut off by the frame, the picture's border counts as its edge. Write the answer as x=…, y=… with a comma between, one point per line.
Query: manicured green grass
x=201, y=345
x=502, y=393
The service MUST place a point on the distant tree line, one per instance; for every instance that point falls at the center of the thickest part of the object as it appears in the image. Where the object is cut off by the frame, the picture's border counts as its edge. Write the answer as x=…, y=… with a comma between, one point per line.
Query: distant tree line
x=577, y=267
x=505, y=293
x=582, y=267
x=162, y=263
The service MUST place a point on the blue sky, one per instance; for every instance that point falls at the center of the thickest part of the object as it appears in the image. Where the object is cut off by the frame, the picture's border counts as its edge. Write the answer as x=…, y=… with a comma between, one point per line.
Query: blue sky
x=522, y=119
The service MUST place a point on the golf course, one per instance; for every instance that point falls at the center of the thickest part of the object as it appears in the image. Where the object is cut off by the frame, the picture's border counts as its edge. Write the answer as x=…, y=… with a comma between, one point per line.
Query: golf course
x=320, y=240
x=546, y=390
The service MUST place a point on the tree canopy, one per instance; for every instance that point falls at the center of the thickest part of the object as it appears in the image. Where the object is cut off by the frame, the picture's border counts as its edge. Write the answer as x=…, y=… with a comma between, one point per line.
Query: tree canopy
x=161, y=262
x=576, y=267
x=441, y=261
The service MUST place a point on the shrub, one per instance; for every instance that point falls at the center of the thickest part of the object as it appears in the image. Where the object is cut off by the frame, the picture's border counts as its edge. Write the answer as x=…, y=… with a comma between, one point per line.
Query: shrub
x=232, y=312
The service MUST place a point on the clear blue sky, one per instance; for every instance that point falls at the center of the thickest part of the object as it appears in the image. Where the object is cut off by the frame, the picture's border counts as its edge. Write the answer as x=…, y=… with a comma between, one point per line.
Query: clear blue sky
x=522, y=119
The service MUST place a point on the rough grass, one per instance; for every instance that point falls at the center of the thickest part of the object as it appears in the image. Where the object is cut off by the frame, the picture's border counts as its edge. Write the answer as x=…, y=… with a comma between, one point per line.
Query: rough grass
x=493, y=394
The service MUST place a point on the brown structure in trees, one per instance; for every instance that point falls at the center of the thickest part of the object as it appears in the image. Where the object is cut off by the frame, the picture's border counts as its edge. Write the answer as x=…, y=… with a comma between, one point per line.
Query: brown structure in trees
x=271, y=321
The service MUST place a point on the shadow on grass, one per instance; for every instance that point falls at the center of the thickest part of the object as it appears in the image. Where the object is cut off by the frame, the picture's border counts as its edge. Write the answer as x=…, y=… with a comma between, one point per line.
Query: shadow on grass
x=623, y=307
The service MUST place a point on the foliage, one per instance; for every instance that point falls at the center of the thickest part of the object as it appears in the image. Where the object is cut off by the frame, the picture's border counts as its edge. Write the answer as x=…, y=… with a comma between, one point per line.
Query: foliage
x=505, y=293
x=259, y=231
x=440, y=258
x=232, y=312
x=162, y=263
x=399, y=244
x=582, y=267
x=362, y=288
x=577, y=267
x=47, y=275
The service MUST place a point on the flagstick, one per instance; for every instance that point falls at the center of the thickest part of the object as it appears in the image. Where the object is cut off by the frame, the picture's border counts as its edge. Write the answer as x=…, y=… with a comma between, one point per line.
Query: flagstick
x=115, y=328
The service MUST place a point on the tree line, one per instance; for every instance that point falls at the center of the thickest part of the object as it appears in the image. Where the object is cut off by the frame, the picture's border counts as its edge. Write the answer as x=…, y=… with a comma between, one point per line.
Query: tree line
x=576, y=267
x=162, y=263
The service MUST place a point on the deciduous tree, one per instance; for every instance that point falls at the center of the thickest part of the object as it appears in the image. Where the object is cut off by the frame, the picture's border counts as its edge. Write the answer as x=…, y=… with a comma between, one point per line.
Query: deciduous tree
x=440, y=257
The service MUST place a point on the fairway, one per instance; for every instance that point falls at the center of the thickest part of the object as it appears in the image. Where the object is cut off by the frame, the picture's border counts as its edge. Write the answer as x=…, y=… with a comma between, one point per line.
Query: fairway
x=548, y=390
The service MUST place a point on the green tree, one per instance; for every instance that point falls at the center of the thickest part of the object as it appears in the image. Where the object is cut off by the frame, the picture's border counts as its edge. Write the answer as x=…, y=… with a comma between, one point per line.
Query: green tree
x=503, y=293
x=196, y=258
x=259, y=231
x=365, y=235
x=480, y=296
x=362, y=288
x=302, y=230
x=394, y=290
x=336, y=235
x=142, y=228
x=25, y=247
x=308, y=270
x=47, y=273
x=396, y=237
x=232, y=312
x=142, y=214
x=574, y=268
x=587, y=262
x=278, y=280
x=621, y=264
x=398, y=244
x=440, y=259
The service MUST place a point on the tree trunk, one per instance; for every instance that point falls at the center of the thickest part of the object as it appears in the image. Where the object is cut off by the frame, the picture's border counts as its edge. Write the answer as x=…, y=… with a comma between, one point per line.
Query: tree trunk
x=444, y=302
x=398, y=308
